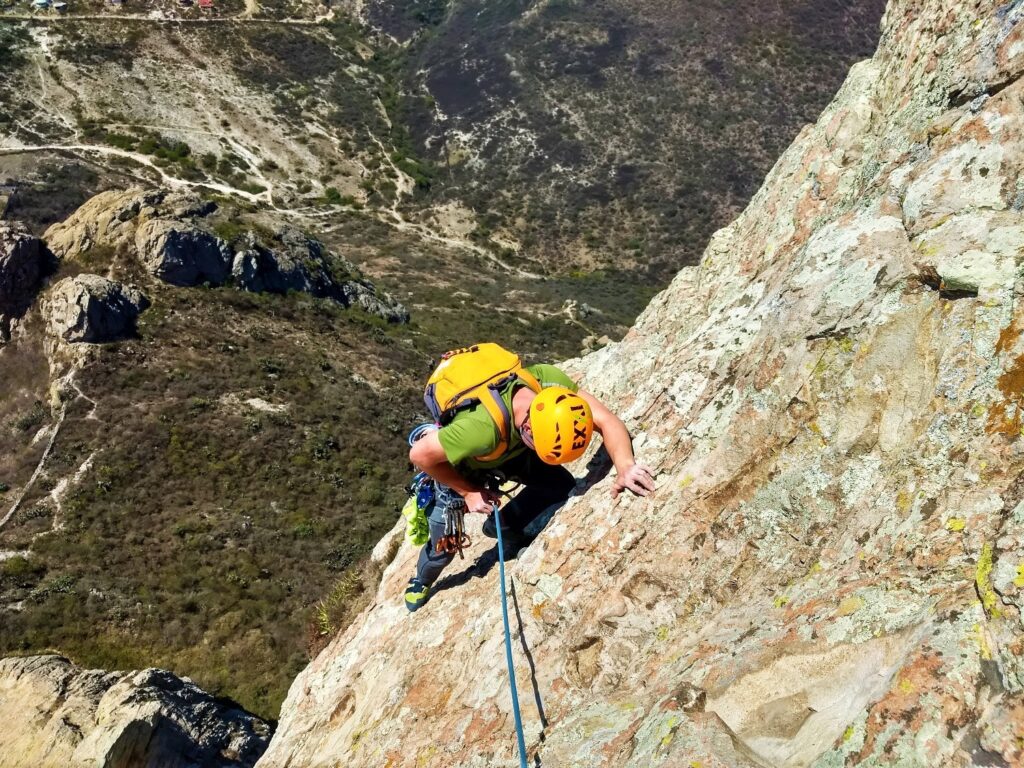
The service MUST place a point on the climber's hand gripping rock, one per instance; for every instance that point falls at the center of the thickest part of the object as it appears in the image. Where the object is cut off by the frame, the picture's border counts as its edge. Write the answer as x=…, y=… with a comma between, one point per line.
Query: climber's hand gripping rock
x=638, y=478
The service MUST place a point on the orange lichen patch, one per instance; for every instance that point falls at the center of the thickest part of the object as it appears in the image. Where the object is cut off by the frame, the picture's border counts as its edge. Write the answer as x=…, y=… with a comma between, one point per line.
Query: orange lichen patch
x=924, y=674
x=1004, y=418
x=486, y=721
x=768, y=370
x=811, y=609
x=426, y=695
x=1008, y=338
x=975, y=129
x=616, y=746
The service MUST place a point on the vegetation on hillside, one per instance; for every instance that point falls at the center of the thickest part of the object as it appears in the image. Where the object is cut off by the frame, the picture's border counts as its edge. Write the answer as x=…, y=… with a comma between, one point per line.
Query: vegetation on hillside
x=619, y=132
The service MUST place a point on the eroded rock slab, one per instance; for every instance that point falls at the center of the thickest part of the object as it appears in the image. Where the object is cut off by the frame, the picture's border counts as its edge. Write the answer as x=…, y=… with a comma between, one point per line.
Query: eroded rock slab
x=181, y=254
x=175, y=239
x=57, y=715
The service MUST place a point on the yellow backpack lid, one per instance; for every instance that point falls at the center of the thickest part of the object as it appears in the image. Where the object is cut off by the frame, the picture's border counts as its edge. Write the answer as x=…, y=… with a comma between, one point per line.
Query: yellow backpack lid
x=475, y=375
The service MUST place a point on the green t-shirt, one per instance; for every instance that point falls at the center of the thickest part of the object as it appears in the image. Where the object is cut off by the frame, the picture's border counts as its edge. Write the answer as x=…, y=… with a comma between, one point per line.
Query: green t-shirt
x=473, y=432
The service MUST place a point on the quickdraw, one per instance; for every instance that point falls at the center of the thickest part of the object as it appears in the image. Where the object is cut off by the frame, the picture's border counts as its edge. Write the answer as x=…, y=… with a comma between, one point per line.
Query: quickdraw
x=455, y=538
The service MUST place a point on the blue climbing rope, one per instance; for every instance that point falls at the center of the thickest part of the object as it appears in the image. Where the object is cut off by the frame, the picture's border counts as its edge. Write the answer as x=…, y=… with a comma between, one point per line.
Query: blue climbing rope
x=508, y=643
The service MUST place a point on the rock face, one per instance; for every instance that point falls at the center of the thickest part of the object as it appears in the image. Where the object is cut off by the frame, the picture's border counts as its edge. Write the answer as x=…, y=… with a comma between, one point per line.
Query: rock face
x=181, y=254
x=56, y=715
x=171, y=235
x=93, y=309
x=294, y=262
x=23, y=263
x=830, y=573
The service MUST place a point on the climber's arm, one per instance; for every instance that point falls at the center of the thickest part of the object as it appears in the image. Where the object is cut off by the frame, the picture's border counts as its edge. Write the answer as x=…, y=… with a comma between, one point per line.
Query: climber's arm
x=428, y=454
x=636, y=477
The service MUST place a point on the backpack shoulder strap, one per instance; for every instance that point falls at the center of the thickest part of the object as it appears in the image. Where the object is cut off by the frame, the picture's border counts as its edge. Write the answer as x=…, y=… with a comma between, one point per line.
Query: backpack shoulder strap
x=528, y=379
x=495, y=406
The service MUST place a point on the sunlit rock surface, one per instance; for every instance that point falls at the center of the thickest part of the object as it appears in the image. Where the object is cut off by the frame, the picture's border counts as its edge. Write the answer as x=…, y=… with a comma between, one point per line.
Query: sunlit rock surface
x=832, y=570
x=56, y=715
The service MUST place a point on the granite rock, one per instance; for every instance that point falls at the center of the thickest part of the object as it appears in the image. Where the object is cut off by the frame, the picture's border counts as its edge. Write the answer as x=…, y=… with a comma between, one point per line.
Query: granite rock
x=57, y=715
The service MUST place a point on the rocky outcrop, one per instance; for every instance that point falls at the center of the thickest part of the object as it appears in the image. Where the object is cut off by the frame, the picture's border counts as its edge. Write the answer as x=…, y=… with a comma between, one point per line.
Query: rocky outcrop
x=830, y=573
x=181, y=254
x=23, y=263
x=175, y=239
x=110, y=219
x=57, y=715
x=291, y=261
x=93, y=309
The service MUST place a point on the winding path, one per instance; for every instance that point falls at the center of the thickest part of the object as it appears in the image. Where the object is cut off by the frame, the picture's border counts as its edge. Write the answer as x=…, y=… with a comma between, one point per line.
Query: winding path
x=173, y=181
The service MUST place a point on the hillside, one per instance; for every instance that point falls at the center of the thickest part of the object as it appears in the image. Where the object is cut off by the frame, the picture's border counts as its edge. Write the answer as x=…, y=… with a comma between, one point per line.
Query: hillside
x=830, y=571
x=617, y=133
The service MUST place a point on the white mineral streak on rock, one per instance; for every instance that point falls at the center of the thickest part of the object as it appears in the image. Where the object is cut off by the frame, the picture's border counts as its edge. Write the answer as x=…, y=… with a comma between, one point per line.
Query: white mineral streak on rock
x=832, y=570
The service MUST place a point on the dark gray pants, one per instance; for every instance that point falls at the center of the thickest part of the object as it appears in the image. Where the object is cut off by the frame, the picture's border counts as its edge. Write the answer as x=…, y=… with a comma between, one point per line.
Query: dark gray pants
x=544, y=486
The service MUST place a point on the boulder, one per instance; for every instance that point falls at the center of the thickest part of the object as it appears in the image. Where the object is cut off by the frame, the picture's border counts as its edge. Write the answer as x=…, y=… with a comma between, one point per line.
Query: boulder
x=293, y=262
x=93, y=309
x=182, y=254
x=57, y=715
x=363, y=294
x=24, y=261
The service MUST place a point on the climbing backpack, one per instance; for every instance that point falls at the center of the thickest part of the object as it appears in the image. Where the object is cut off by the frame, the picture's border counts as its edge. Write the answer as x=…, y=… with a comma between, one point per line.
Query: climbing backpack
x=477, y=375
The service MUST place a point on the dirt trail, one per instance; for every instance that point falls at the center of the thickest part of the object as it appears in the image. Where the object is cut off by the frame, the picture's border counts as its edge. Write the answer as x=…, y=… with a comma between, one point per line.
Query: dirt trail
x=241, y=19
x=174, y=181
x=55, y=430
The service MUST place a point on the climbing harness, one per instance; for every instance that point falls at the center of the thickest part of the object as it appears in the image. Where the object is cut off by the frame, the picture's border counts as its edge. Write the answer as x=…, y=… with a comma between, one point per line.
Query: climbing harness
x=427, y=491
x=508, y=643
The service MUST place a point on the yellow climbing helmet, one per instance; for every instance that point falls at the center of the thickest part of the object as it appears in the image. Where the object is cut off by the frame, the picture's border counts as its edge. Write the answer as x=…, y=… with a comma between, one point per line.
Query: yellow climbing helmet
x=561, y=424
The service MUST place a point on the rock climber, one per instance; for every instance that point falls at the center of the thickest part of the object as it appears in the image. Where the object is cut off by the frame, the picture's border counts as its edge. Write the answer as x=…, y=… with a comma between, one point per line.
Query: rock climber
x=548, y=421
